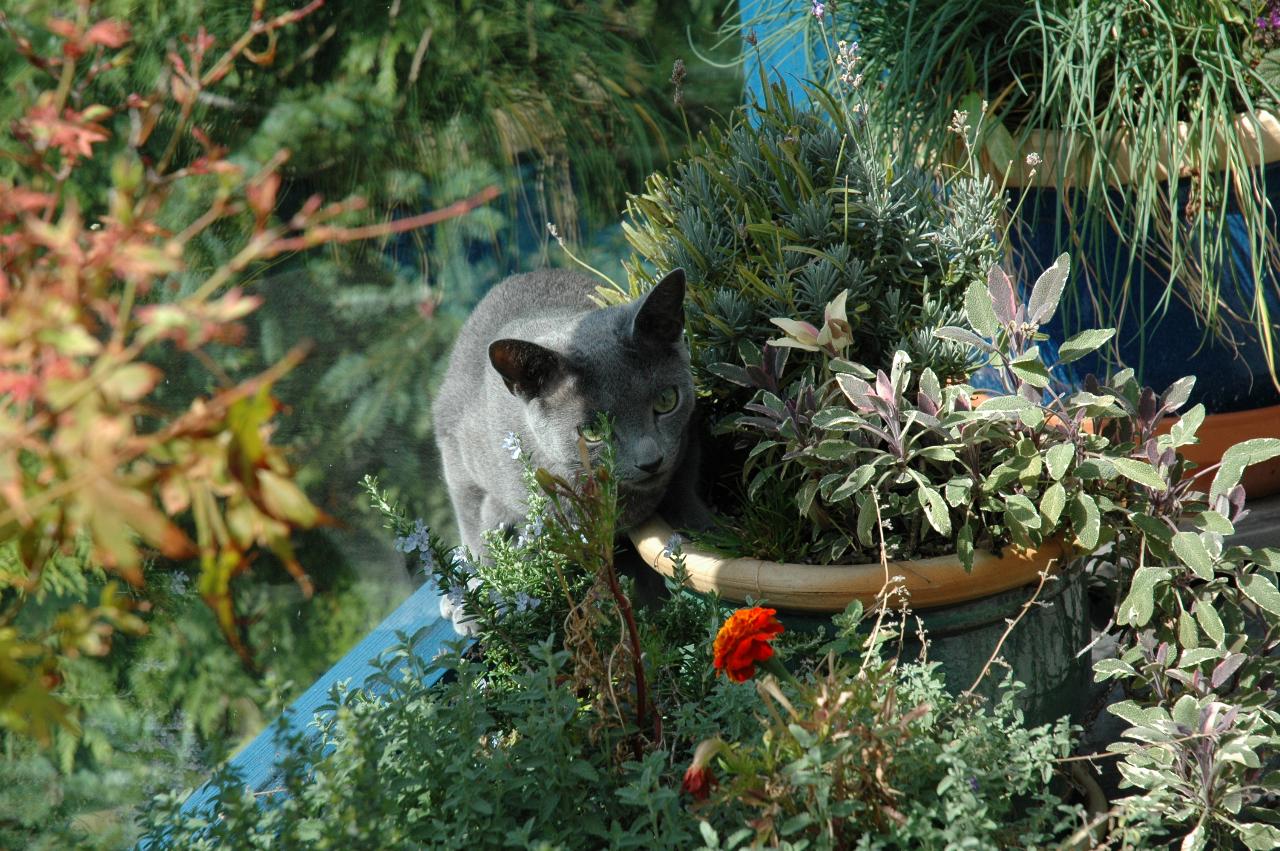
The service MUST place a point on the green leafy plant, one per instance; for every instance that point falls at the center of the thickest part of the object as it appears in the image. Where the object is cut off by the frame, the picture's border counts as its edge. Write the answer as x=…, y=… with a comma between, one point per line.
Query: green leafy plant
x=785, y=208
x=1196, y=616
x=100, y=464
x=1198, y=622
x=899, y=461
x=946, y=468
x=553, y=750
x=885, y=755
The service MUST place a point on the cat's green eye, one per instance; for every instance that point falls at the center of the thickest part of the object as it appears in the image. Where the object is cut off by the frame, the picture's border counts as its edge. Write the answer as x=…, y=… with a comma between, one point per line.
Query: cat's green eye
x=666, y=401
x=591, y=432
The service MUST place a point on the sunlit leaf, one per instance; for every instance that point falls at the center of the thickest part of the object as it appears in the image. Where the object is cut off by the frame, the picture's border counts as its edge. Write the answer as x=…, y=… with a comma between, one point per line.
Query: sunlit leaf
x=1140, y=472
x=1047, y=291
x=1191, y=550
x=977, y=309
x=1237, y=458
x=1139, y=604
x=1086, y=342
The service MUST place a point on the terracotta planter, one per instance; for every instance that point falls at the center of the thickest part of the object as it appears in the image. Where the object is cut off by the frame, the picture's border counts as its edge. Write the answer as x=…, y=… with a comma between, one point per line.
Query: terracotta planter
x=1261, y=130
x=931, y=582
x=964, y=615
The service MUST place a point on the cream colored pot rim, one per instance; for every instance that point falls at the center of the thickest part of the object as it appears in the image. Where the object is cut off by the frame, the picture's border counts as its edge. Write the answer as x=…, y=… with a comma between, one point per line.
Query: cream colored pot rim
x=930, y=582
x=1260, y=131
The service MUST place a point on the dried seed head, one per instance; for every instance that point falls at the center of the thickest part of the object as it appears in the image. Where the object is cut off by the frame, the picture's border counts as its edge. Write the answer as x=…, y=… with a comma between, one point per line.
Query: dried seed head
x=678, y=73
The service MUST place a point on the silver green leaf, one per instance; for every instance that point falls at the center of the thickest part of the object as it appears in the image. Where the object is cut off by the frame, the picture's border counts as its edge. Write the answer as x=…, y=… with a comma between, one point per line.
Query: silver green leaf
x=1139, y=604
x=963, y=335
x=1087, y=520
x=1058, y=458
x=1178, y=393
x=977, y=309
x=1047, y=291
x=1262, y=591
x=1140, y=472
x=1079, y=345
x=1184, y=430
x=935, y=509
x=1235, y=459
x=1053, y=502
x=1209, y=622
x=1192, y=552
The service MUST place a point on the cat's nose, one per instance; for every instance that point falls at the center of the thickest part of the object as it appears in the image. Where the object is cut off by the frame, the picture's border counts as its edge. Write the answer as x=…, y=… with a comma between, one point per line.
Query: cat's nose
x=651, y=466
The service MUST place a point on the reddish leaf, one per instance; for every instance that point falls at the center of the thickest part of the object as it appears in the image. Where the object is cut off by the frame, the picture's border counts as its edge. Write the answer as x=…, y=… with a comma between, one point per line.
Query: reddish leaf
x=1000, y=288
x=108, y=33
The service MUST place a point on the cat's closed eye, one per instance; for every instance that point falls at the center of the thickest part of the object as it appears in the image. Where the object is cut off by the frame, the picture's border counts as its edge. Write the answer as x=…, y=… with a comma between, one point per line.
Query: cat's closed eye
x=666, y=401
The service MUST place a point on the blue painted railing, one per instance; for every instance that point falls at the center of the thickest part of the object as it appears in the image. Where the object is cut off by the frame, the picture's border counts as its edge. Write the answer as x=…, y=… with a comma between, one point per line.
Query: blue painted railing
x=787, y=54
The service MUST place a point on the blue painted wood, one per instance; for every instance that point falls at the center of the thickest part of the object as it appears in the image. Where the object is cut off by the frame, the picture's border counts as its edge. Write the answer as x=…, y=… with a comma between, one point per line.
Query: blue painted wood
x=786, y=54
x=257, y=761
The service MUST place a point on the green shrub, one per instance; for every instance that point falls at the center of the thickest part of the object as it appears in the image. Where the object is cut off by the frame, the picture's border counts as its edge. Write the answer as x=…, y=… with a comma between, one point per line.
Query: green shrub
x=548, y=754
x=785, y=207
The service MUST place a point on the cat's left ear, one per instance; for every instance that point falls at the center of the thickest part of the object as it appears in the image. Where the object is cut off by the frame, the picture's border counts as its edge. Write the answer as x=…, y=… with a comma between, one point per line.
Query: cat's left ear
x=526, y=368
x=660, y=316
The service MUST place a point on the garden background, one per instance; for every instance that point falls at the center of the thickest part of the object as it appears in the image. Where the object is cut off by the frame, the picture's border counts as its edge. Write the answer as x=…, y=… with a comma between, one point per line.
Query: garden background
x=565, y=107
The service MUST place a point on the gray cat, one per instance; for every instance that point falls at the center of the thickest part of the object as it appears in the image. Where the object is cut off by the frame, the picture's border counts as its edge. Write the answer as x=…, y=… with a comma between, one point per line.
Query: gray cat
x=539, y=359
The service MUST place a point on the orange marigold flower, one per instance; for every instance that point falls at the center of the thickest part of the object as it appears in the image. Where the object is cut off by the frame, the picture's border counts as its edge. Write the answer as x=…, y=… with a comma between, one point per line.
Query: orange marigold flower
x=744, y=640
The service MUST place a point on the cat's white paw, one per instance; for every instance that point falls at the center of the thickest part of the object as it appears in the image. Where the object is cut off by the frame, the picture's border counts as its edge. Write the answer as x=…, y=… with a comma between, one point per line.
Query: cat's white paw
x=453, y=609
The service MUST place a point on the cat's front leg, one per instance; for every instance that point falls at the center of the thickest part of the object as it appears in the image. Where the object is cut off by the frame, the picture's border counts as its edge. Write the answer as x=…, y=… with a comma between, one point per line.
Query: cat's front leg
x=493, y=514
x=683, y=506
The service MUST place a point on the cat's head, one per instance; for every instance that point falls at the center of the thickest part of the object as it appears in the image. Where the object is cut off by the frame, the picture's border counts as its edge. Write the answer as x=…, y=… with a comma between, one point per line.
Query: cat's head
x=629, y=362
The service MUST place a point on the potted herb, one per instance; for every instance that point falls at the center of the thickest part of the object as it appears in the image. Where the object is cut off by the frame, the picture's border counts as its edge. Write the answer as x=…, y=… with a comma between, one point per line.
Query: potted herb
x=791, y=220
x=893, y=473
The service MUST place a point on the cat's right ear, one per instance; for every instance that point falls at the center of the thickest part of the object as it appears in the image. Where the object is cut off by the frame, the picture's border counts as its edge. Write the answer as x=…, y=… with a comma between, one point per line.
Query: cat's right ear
x=659, y=317
x=526, y=368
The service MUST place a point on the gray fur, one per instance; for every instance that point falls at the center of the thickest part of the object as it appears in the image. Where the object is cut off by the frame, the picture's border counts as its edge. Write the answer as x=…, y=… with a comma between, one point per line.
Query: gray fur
x=538, y=358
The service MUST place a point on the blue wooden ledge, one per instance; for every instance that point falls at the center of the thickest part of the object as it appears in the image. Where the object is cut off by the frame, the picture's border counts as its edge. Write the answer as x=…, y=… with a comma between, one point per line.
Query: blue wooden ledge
x=257, y=761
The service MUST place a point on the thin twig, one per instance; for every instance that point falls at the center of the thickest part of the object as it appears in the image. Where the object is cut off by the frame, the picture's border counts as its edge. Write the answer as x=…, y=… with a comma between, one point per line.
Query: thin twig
x=1013, y=622
x=882, y=598
x=330, y=235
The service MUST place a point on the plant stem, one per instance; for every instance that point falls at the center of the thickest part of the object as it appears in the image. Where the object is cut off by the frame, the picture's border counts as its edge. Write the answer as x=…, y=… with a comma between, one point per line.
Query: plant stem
x=1026, y=607
x=633, y=638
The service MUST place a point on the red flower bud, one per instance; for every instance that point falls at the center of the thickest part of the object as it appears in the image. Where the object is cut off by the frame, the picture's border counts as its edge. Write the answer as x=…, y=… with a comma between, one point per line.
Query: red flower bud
x=698, y=782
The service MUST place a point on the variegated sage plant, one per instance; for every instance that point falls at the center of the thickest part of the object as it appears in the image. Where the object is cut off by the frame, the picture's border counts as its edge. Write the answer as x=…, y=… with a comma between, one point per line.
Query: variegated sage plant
x=944, y=467
x=951, y=468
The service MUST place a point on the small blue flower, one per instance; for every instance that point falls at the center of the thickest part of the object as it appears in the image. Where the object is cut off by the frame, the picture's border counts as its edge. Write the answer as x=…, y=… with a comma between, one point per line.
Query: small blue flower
x=511, y=443
x=973, y=784
x=456, y=595
x=533, y=530
x=673, y=547
x=466, y=568
x=179, y=584
x=819, y=9
x=419, y=539
x=498, y=602
x=526, y=603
